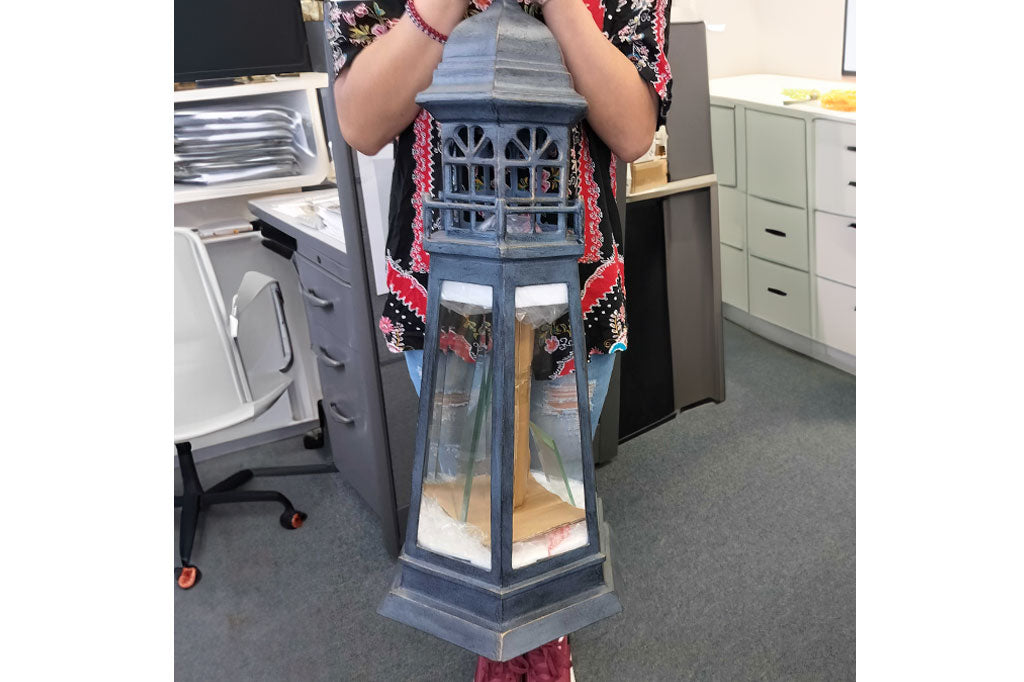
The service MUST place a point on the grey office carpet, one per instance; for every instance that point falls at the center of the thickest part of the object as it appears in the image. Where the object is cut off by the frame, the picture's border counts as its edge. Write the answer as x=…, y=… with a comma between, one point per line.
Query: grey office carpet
x=733, y=530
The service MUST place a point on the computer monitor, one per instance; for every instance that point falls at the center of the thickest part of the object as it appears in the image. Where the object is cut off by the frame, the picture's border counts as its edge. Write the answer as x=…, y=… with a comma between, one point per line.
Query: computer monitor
x=231, y=38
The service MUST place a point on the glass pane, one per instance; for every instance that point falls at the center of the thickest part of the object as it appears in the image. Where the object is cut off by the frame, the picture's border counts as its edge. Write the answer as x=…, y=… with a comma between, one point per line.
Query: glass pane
x=455, y=507
x=548, y=515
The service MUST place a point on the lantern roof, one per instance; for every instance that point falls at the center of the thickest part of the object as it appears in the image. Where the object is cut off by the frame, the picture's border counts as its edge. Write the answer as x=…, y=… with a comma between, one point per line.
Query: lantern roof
x=502, y=65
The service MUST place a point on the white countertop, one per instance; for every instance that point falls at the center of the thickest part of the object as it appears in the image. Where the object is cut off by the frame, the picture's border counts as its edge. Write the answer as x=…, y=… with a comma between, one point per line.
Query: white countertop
x=294, y=209
x=674, y=187
x=766, y=90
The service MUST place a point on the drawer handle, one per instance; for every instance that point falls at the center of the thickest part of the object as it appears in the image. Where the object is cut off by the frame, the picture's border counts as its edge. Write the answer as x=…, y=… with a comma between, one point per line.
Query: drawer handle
x=327, y=359
x=777, y=233
x=777, y=292
x=851, y=149
x=853, y=225
x=339, y=416
x=316, y=300
x=853, y=183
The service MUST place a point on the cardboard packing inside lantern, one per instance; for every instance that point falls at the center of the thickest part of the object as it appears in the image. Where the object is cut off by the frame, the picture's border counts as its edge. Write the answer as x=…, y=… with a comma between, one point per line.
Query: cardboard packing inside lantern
x=540, y=511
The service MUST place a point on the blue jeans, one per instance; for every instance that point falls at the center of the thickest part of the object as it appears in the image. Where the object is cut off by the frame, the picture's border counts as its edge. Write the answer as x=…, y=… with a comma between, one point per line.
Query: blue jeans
x=599, y=373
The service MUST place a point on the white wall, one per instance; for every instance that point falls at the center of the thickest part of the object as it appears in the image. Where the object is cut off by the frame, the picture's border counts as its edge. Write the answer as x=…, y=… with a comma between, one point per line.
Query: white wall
x=789, y=37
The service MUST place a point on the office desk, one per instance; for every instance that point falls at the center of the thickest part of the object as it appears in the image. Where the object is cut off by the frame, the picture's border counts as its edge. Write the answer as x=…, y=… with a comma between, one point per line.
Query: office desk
x=369, y=407
x=673, y=280
x=673, y=304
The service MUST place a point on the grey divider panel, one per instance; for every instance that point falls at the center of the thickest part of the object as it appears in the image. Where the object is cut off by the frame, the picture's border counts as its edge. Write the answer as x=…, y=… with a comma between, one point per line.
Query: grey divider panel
x=367, y=442
x=673, y=274
x=401, y=404
x=689, y=119
x=400, y=401
x=399, y=396
x=694, y=283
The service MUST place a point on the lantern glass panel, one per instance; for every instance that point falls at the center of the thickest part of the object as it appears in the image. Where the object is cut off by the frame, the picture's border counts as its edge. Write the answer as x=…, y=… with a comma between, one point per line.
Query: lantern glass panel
x=548, y=516
x=455, y=502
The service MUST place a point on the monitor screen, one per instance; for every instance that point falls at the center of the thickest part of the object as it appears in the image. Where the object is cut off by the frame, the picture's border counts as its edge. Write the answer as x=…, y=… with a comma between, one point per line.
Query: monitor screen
x=230, y=38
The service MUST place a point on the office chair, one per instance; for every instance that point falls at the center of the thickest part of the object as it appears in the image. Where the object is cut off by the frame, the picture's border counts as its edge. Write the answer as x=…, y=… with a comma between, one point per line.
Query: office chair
x=212, y=389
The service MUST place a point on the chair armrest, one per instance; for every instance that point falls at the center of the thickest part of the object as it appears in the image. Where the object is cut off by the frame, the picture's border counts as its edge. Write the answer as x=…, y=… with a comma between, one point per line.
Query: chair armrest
x=253, y=284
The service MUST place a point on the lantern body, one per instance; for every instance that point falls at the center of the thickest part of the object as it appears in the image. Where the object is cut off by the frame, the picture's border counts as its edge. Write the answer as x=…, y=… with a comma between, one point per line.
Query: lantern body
x=505, y=548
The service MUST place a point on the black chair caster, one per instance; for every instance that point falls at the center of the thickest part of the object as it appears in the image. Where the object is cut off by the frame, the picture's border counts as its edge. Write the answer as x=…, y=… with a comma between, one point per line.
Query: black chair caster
x=292, y=519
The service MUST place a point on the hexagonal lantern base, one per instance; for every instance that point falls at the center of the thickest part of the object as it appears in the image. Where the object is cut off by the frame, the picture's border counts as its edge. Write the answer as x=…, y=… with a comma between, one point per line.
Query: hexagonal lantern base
x=534, y=617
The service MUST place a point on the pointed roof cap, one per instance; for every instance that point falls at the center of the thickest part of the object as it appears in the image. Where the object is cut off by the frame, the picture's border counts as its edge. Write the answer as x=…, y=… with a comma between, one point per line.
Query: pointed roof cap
x=502, y=65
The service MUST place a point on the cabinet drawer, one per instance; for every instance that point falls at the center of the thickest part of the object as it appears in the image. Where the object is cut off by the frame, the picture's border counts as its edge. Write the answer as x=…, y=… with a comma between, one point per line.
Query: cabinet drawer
x=835, y=246
x=732, y=217
x=780, y=295
x=777, y=158
x=328, y=308
x=734, y=277
x=835, y=167
x=837, y=315
x=723, y=144
x=777, y=233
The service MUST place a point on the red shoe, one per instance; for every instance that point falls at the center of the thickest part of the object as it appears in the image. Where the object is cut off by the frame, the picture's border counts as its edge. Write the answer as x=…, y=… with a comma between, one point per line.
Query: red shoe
x=513, y=670
x=551, y=662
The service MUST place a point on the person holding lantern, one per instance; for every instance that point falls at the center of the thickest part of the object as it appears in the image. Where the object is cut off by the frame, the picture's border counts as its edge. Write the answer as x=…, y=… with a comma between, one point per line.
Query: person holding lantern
x=385, y=54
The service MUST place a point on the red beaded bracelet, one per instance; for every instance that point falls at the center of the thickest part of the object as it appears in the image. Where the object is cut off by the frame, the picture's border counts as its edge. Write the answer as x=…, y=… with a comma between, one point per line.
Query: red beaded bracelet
x=422, y=25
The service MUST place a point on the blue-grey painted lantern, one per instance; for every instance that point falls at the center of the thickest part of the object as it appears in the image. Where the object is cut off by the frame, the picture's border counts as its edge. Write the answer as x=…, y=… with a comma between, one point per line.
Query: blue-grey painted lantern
x=505, y=548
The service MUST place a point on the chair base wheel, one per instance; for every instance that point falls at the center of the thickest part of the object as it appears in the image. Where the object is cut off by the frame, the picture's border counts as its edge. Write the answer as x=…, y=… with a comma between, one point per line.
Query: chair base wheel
x=293, y=519
x=186, y=577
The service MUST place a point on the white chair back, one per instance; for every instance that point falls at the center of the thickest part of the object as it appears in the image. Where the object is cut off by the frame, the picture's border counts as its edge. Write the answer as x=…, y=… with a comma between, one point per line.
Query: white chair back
x=211, y=391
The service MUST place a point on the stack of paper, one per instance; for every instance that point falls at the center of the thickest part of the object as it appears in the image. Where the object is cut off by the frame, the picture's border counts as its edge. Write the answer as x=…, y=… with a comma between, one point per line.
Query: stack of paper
x=322, y=215
x=329, y=212
x=230, y=143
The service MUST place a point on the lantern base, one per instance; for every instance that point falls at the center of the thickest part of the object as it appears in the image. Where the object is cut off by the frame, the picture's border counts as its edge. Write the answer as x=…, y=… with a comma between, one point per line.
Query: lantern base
x=459, y=610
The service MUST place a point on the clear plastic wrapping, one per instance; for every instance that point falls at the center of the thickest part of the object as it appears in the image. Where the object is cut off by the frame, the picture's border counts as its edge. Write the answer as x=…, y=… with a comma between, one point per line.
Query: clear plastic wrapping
x=548, y=516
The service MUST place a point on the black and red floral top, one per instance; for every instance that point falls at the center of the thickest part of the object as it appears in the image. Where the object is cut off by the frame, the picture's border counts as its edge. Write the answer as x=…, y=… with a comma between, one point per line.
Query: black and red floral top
x=638, y=29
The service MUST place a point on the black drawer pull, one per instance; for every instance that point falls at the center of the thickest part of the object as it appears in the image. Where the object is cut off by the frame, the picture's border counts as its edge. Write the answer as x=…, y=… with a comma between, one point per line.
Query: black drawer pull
x=278, y=248
x=316, y=300
x=777, y=292
x=327, y=359
x=339, y=416
x=777, y=233
x=851, y=149
x=853, y=225
x=853, y=183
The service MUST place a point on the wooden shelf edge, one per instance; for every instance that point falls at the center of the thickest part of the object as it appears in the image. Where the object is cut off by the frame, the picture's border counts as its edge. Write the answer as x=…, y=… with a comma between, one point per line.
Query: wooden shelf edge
x=674, y=187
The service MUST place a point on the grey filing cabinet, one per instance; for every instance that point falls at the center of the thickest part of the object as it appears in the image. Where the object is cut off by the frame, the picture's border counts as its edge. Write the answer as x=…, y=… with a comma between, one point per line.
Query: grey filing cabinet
x=341, y=335
x=788, y=214
x=369, y=403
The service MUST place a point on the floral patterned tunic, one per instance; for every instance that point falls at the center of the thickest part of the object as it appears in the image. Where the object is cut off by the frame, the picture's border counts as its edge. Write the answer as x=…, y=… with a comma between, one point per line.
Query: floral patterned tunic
x=638, y=29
